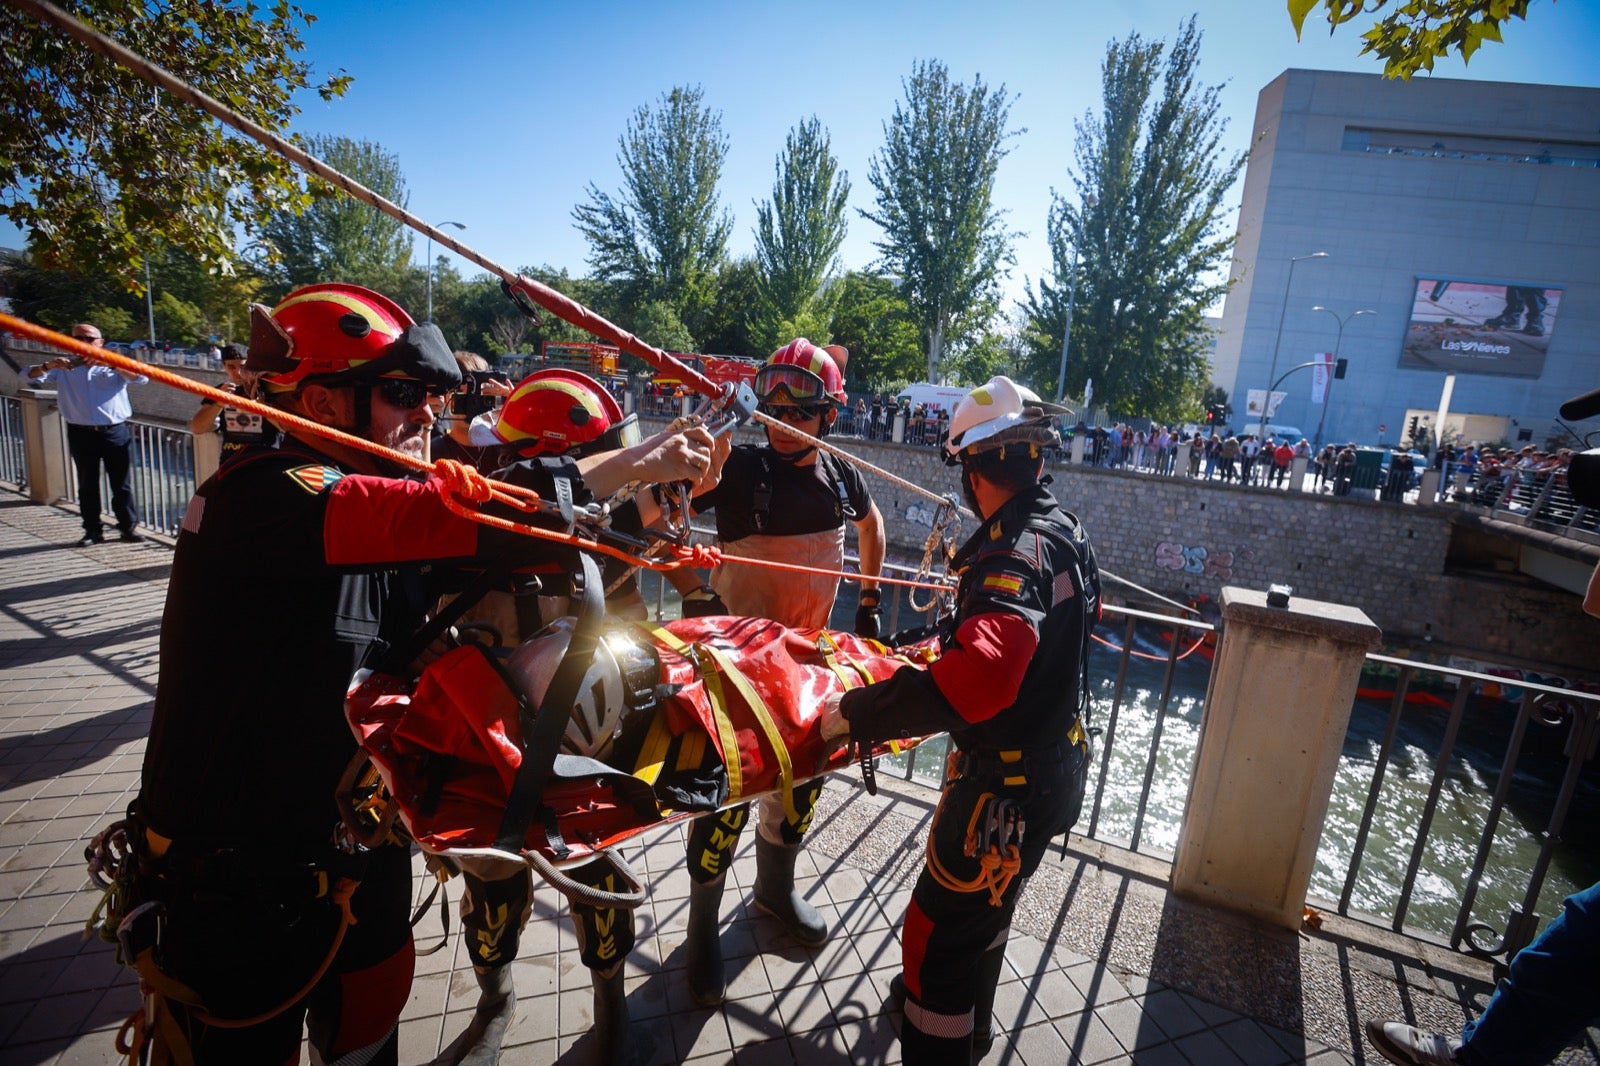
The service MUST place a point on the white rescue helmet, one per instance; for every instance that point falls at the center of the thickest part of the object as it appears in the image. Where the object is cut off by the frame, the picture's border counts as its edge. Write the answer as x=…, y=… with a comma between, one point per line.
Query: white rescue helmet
x=601, y=704
x=997, y=413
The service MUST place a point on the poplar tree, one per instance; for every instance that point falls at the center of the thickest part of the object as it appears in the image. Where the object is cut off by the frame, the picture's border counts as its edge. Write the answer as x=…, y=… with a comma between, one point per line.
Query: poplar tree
x=798, y=233
x=934, y=178
x=338, y=236
x=665, y=234
x=1147, y=225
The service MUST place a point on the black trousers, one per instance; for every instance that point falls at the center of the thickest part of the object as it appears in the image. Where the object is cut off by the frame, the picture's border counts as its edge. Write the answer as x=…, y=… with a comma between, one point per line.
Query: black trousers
x=90, y=447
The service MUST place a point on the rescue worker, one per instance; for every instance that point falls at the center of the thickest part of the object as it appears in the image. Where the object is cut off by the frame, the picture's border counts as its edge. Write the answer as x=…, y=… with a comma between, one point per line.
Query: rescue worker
x=241, y=913
x=788, y=502
x=1010, y=687
x=551, y=413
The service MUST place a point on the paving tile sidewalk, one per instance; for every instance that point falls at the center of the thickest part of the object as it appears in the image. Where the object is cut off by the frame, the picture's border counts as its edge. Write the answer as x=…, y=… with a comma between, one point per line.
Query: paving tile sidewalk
x=78, y=646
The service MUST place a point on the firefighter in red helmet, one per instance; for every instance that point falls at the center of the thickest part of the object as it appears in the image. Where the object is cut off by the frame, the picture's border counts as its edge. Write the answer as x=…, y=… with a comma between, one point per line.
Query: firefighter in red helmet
x=786, y=501
x=1011, y=689
x=252, y=916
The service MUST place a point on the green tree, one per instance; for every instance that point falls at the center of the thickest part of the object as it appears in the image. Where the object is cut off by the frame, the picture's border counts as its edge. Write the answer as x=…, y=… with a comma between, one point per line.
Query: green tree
x=99, y=166
x=727, y=331
x=798, y=234
x=337, y=237
x=934, y=180
x=872, y=320
x=665, y=234
x=1414, y=33
x=1149, y=231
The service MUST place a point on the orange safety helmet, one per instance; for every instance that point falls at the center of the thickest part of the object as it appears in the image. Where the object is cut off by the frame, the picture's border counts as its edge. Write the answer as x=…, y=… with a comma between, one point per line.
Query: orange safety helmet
x=340, y=333
x=556, y=410
x=807, y=373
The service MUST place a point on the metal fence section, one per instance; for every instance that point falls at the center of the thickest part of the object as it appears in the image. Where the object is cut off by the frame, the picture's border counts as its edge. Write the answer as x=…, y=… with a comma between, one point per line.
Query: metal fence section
x=1538, y=500
x=13, y=454
x=1516, y=755
x=162, y=469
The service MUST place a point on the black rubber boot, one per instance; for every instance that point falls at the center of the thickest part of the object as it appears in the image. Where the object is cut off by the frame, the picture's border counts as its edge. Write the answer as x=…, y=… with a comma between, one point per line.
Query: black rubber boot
x=480, y=1044
x=775, y=894
x=708, y=984
x=610, y=1017
x=990, y=964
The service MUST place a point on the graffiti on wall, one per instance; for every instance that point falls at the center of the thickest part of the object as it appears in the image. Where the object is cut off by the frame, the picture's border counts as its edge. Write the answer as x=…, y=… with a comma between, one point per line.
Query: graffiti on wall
x=922, y=514
x=1197, y=559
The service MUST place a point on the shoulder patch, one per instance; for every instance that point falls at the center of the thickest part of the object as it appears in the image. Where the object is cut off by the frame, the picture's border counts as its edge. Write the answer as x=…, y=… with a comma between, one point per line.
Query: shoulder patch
x=1009, y=583
x=315, y=477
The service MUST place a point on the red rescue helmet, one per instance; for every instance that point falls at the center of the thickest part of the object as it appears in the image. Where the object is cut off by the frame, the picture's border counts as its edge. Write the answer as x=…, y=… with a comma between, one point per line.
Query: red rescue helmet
x=556, y=410
x=342, y=334
x=804, y=374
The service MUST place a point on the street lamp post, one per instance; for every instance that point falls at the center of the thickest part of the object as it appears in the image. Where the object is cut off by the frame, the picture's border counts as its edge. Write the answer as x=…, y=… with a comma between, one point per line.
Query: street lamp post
x=1327, y=397
x=1066, y=333
x=457, y=225
x=1266, y=401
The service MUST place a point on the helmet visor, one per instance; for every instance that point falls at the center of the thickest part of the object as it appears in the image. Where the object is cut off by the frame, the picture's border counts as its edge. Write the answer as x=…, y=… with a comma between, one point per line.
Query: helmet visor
x=799, y=385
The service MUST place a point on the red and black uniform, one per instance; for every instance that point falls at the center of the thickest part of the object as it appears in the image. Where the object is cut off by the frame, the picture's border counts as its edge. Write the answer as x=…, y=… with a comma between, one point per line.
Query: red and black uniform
x=249, y=741
x=1010, y=687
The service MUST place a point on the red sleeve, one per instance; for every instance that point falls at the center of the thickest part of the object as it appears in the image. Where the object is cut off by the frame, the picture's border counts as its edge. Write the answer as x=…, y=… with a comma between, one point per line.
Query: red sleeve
x=981, y=671
x=385, y=520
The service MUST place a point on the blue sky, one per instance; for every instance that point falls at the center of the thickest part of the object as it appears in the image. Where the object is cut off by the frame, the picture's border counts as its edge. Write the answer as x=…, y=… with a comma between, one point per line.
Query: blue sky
x=501, y=113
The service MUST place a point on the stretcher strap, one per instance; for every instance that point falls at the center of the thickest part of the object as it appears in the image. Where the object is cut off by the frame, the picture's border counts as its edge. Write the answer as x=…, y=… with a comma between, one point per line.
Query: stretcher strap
x=545, y=725
x=758, y=707
x=725, y=728
x=726, y=734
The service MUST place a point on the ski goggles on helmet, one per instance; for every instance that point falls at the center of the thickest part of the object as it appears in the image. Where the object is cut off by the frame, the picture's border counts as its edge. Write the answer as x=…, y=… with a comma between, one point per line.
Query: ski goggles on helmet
x=799, y=385
x=406, y=393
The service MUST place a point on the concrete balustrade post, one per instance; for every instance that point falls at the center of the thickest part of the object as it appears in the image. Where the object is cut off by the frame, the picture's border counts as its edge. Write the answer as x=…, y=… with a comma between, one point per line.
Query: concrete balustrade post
x=44, y=445
x=1077, y=448
x=1276, y=713
x=1429, y=491
x=1297, y=472
x=1181, y=465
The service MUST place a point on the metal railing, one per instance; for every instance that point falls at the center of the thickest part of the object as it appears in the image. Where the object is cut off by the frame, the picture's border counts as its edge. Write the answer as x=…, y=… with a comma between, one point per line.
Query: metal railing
x=1538, y=500
x=13, y=452
x=163, y=474
x=1546, y=735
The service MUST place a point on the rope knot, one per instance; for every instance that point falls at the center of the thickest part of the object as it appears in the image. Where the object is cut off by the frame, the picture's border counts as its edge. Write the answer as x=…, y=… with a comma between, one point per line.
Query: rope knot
x=462, y=480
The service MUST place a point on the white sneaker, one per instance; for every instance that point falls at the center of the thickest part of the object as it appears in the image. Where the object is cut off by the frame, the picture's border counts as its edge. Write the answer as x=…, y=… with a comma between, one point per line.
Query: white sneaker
x=1410, y=1046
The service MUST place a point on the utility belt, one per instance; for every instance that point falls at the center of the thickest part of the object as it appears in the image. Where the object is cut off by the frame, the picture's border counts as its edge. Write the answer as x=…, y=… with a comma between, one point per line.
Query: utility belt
x=1013, y=767
x=246, y=873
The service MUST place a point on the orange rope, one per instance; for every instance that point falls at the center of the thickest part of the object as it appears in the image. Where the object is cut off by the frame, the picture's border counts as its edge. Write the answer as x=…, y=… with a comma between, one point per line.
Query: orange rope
x=461, y=481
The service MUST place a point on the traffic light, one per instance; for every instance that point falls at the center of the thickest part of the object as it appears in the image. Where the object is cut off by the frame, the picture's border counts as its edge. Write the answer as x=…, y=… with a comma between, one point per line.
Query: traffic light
x=1211, y=416
x=1411, y=428
x=1338, y=368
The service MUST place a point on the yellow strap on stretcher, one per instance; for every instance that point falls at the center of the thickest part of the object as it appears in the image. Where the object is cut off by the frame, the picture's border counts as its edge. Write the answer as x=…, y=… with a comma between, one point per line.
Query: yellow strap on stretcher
x=725, y=730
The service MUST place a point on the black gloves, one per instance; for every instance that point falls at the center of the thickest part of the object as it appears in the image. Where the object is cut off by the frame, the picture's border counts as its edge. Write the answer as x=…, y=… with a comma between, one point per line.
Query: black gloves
x=869, y=616
x=703, y=601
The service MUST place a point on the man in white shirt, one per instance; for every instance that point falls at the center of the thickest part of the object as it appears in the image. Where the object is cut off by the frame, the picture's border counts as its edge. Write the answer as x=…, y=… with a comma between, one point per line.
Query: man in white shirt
x=94, y=401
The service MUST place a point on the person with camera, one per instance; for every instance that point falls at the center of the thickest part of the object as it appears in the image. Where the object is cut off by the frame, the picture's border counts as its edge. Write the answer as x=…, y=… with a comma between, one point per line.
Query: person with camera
x=479, y=394
x=240, y=429
x=251, y=915
x=94, y=403
x=785, y=501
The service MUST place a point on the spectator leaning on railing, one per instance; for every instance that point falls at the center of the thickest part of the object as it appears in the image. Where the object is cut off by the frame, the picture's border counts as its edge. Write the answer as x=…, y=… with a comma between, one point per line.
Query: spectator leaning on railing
x=94, y=401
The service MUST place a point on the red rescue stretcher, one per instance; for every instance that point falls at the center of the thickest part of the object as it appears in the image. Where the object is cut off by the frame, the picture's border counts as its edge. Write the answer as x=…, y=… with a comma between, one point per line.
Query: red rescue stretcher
x=715, y=712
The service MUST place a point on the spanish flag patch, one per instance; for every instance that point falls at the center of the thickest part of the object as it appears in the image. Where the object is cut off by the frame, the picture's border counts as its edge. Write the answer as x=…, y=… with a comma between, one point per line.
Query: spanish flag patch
x=1004, y=583
x=314, y=478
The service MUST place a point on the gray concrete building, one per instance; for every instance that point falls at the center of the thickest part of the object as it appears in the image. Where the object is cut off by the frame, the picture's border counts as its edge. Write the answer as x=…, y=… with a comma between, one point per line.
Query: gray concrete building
x=1463, y=215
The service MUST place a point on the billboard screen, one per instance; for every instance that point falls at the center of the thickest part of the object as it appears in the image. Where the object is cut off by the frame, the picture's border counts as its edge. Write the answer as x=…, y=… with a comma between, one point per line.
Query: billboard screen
x=1480, y=327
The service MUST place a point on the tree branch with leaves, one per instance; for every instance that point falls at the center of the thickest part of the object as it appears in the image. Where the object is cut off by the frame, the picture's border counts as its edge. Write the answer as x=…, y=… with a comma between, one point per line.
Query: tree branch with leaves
x=98, y=166
x=1415, y=33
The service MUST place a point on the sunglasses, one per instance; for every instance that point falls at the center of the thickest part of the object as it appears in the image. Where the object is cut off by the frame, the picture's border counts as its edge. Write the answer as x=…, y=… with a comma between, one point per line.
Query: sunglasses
x=786, y=413
x=86, y=336
x=406, y=394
